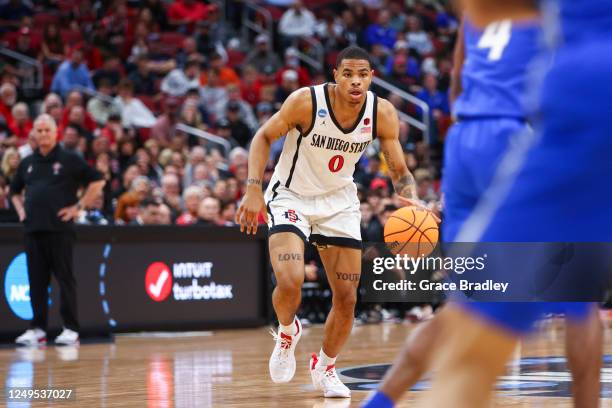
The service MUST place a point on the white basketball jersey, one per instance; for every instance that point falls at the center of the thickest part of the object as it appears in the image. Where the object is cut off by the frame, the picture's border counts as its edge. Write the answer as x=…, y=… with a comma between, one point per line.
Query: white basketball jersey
x=323, y=158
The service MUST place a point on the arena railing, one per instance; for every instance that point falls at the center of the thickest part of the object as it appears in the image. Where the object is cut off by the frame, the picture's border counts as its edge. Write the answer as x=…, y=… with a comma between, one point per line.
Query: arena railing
x=34, y=81
x=227, y=147
x=251, y=10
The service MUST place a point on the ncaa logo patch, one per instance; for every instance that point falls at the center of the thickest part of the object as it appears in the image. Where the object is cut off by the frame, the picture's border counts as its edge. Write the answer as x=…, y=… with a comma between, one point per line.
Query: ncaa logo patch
x=322, y=113
x=17, y=288
x=529, y=377
x=291, y=216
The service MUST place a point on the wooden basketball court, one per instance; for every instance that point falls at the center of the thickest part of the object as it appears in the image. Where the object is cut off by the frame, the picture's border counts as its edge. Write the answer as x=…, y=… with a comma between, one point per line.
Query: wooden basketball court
x=230, y=369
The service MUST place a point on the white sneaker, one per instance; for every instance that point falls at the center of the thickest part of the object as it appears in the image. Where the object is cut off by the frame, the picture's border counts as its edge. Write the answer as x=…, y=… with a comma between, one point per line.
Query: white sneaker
x=282, y=360
x=67, y=338
x=32, y=337
x=326, y=379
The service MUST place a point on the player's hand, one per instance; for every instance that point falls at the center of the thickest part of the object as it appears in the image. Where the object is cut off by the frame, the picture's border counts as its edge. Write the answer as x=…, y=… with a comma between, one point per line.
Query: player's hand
x=251, y=206
x=418, y=203
x=68, y=213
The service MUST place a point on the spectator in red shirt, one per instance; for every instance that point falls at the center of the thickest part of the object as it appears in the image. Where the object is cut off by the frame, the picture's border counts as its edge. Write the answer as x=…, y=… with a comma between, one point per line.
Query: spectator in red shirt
x=235, y=57
x=75, y=98
x=22, y=123
x=76, y=117
x=191, y=197
x=250, y=87
x=187, y=12
x=92, y=56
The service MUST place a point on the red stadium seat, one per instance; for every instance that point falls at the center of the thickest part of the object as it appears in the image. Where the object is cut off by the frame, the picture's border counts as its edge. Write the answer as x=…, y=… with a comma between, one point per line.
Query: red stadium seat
x=144, y=134
x=35, y=39
x=330, y=58
x=71, y=37
x=43, y=19
x=172, y=39
x=66, y=6
x=372, y=14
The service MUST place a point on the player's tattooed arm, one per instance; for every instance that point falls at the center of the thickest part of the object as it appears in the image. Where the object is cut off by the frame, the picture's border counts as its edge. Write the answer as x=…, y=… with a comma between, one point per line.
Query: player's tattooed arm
x=387, y=128
x=388, y=131
x=406, y=187
x=253, y=181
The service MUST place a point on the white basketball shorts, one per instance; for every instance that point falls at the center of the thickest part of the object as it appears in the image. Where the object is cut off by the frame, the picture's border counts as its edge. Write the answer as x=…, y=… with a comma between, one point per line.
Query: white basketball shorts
x=330, y=219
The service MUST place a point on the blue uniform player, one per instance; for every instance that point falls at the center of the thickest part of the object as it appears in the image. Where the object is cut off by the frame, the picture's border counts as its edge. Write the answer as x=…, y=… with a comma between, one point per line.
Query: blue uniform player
x=489, y=111
x=491, y=114
x=488, y=88
x=547, y=195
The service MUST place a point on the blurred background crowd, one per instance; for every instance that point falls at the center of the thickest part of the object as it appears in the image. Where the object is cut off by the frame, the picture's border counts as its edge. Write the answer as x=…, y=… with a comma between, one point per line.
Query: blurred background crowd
x=163, y=97
x=121, y=77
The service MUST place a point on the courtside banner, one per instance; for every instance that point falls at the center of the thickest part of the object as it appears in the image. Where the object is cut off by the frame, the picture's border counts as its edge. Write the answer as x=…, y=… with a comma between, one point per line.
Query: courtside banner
x=488, y=272
x=146, y=278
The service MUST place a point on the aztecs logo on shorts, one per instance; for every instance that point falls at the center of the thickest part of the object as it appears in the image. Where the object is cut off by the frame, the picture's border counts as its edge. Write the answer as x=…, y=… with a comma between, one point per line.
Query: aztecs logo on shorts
x=531, y=377
x=291, y=216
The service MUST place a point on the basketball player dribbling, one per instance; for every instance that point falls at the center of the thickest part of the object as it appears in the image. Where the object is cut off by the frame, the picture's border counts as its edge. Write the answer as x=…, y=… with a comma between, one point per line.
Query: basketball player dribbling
x=312, y=196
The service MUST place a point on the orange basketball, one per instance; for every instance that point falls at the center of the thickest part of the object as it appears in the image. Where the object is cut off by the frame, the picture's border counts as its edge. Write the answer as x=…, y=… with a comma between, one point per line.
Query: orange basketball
x=411, y=231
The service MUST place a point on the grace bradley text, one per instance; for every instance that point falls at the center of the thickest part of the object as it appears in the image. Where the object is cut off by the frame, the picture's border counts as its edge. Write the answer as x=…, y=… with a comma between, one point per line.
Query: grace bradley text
x=488, y=285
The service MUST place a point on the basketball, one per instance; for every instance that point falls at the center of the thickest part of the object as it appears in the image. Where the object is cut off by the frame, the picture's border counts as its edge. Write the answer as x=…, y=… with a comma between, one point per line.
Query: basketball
x=411, y=231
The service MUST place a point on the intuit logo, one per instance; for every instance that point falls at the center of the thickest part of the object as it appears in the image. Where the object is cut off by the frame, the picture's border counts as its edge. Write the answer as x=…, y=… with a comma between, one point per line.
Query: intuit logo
x=17, y=287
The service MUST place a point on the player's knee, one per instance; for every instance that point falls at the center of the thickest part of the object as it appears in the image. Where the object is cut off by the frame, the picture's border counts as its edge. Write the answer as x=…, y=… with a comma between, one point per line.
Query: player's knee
x=289, y=287
x=345, y=300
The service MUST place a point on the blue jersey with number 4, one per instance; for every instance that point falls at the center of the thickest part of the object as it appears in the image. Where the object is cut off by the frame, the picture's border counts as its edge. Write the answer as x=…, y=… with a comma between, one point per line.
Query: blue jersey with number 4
x=494, y=76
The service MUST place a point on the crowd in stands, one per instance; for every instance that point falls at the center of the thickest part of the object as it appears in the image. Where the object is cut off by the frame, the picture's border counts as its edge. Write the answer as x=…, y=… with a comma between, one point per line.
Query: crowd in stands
x=133, y=84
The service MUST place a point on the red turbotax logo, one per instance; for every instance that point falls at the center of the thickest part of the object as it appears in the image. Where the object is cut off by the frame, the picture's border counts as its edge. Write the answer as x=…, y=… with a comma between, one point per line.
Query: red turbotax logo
x=158, y=281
